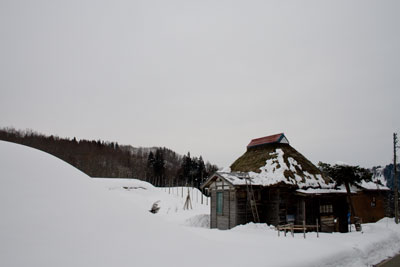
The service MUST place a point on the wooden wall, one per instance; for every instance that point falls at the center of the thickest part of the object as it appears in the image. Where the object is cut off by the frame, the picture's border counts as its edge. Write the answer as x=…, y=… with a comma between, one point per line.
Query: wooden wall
x=271, y=203
x=243, y=211
x=213, y=208
x=366, y=208
x=274, y=205
x=227, y=219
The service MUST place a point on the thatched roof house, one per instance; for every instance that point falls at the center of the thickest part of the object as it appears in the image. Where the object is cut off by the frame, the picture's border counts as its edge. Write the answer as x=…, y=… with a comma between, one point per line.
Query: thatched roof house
x=270, y=161
x=283, y=186
x=274, y=170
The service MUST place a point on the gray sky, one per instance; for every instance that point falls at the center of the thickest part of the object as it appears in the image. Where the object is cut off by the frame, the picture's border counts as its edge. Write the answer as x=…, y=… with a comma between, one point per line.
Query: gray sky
x=206, y=76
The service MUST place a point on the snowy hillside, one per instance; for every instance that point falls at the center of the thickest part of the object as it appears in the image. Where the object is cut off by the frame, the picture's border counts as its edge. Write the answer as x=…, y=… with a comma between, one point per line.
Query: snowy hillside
x=54, y=215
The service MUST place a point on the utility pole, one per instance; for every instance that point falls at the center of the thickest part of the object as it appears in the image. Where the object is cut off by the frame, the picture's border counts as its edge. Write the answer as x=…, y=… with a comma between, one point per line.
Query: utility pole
x=396, y=191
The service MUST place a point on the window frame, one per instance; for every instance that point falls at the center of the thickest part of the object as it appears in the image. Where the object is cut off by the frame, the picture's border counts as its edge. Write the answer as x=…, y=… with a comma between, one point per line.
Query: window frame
x=220, y=202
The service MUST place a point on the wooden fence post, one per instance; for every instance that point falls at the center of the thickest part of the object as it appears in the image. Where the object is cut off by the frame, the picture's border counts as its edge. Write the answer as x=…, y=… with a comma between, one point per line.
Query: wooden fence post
x=292, y=226
x=317, y=228
x=304, y=229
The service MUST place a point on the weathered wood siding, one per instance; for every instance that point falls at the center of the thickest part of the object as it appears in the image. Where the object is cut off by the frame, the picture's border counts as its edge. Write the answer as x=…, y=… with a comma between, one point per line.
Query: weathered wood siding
x=226, y=219
x=213, y=208
x=369, y=205
x=276, y=205
x=244, y=213
x=242, y=209
x=232, y=209
x=272, y=197
x=334, y=220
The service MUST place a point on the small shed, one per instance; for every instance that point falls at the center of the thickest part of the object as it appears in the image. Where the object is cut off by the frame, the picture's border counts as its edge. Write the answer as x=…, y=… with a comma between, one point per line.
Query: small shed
x=371, y=199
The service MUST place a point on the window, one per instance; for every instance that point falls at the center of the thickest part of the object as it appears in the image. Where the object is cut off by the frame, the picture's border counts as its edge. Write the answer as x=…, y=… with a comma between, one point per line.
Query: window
x=326, y=209
x=373, y=202
x=219, y=202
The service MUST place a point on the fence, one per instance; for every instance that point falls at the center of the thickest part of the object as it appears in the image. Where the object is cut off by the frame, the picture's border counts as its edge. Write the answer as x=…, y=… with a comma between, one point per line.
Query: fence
x=195, y=194
x=294, y=227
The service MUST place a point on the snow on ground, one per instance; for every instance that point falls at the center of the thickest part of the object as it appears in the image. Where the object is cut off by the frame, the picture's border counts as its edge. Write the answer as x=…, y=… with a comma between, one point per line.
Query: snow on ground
x=54, y=215
x=170, y=200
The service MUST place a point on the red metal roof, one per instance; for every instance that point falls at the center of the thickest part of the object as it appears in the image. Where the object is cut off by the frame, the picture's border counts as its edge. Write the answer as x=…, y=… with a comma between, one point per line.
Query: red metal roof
x=266, y=140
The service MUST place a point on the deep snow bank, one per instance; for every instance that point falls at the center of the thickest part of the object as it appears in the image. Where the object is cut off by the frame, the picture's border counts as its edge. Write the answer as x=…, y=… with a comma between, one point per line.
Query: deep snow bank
x=54, y=215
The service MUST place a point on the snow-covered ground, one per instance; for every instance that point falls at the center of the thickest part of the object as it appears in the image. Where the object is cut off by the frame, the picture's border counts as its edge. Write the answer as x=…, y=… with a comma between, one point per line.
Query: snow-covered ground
x=170, y=200
x=54, y=215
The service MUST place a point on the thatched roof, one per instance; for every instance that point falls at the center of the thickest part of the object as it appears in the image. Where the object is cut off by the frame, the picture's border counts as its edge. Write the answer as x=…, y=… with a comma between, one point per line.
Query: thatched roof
x=280, y=163
x=269, y=161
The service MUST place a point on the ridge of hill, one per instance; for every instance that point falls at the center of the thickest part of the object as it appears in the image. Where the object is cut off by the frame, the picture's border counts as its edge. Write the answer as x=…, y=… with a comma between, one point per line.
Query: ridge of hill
x=158, y=165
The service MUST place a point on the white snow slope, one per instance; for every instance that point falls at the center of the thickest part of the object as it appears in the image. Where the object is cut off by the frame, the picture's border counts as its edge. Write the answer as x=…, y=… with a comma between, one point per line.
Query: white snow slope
x=54, y=215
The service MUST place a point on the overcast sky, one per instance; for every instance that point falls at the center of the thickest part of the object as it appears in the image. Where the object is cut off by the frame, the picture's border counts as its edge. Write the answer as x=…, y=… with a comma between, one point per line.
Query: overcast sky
x=206, y=76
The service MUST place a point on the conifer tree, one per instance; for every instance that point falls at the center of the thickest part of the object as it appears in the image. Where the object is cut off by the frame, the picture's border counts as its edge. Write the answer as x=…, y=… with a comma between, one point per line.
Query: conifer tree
x=346, y=175
x=150, y=168
x=159, y=167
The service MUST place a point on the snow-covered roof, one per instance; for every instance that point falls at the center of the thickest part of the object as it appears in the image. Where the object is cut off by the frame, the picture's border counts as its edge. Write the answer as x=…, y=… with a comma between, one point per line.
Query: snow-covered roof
x=275, y=171
x=338, y=190
x=278, y=163
x=378, y=181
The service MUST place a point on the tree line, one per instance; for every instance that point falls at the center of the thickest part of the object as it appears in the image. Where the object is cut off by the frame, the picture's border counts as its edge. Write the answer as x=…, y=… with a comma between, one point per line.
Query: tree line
x=158, y=165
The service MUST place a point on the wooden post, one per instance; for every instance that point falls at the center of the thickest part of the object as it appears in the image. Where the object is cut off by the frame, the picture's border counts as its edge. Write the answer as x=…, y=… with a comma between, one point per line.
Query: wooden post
x=304, y=209
x=396, y=183
x=202, y=181
x=304, y=229
x=317, y=228
x=278, y=230
x=208, y=193
x=292, y=226
x=188, y=202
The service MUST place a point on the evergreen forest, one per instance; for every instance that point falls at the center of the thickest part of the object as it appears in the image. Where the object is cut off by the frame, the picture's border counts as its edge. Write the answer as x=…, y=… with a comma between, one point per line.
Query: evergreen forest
x=158, y=165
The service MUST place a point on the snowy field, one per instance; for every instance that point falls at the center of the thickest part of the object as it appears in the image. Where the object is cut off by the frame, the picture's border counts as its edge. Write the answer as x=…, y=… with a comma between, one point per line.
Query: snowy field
x=54, y=215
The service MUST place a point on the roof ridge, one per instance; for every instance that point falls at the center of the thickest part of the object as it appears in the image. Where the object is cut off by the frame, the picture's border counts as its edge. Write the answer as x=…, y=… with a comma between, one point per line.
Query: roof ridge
x=275, y=138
